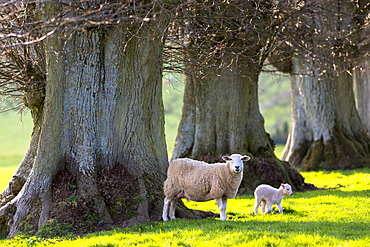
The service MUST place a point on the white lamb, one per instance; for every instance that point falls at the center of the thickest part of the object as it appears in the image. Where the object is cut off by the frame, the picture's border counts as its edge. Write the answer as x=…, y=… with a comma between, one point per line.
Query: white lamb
x=265, y=194
x=200, y=181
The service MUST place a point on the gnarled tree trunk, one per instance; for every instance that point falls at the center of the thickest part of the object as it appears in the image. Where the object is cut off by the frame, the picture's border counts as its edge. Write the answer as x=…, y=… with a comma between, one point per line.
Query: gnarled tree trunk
x=326, y=132
x=100, y=150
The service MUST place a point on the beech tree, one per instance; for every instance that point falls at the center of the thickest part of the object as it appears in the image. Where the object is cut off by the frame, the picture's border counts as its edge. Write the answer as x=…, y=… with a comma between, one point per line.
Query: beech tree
x=93, y=76
x=220, y=112
x=326, y=132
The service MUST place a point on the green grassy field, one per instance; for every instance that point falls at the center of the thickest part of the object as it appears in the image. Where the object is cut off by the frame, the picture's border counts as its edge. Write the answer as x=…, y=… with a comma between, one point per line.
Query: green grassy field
x=337, y=216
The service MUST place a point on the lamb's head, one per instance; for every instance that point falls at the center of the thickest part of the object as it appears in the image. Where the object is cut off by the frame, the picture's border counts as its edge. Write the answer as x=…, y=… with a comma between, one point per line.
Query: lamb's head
x=287, y=189
x=236, y=162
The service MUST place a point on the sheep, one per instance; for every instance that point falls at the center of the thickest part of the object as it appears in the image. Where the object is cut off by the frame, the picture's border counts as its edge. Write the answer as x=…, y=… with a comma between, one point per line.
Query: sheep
x=265, y=194
x=199, y=181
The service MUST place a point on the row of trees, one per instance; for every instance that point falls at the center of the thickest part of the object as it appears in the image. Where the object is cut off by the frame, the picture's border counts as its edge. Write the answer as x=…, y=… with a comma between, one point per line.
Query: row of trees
x=91, y=74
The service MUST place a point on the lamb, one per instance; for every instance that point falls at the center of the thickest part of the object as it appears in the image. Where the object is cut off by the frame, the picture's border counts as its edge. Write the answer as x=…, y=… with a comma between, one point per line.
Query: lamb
x=199, y=181
x=265, y=194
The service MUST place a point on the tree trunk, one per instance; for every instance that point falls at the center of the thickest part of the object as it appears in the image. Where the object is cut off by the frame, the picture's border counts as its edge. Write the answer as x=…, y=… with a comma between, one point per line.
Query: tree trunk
x=362, y=71
x=221, y=116
x=326, y=132
x=100, y=153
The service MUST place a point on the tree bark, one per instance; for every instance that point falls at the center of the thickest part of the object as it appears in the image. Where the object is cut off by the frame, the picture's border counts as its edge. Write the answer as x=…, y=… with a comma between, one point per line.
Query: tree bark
x=100, y=152
x=362, y=70
x=362, y=80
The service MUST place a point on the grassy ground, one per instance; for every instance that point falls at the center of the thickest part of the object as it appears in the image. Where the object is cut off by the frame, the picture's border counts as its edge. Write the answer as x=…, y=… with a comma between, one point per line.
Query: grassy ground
x=337, y=216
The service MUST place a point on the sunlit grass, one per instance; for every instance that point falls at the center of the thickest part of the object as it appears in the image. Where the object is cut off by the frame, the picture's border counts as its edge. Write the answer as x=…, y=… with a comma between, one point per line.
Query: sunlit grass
x=348, y=180
x=339, y=216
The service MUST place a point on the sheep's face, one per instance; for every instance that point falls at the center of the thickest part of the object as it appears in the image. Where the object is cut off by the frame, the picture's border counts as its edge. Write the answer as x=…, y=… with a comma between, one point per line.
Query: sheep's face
x=236, y=162
x=287, y=189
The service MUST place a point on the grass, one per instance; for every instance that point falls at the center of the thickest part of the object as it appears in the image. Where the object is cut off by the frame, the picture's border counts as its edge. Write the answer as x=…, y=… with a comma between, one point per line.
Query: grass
x=338, y=216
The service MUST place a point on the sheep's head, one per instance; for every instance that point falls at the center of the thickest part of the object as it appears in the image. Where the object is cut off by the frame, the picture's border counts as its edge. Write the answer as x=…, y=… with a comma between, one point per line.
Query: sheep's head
x=287, y=189
x=236, y=162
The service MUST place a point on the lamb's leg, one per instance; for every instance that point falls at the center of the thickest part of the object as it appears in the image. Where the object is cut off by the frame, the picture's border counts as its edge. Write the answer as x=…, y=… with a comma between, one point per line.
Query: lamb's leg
x=280, y=208
x=221, y=203
x=263, y=206
x=269, y=207
x=165, y=209
x=173, y=207
x=256, y=205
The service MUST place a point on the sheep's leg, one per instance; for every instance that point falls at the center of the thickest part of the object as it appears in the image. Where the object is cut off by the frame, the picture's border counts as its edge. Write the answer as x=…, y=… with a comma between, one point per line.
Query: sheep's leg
x=173, y=207
x=165, y=209
x=224, y=207
x=221, y=203
x=280, y=208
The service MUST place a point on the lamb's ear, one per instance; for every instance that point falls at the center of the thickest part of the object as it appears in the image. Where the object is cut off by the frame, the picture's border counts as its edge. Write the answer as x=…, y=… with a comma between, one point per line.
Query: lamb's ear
x=282, y=185
x=226, y=158
x=246, y=158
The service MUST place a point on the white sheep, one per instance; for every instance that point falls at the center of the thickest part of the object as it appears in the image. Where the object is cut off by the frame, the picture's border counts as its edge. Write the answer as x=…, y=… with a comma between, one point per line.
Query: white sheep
x=199, y=181
x=265, y=194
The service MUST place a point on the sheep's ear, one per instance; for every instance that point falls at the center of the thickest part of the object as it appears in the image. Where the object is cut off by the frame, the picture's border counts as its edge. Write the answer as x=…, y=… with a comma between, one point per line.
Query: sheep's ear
x=246, y=158
x=226, y=158
x=282, y=185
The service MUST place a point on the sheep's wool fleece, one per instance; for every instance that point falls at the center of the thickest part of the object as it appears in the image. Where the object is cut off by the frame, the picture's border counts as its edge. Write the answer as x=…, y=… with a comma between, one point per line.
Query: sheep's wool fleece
x=269, y=193
x=200, y=181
